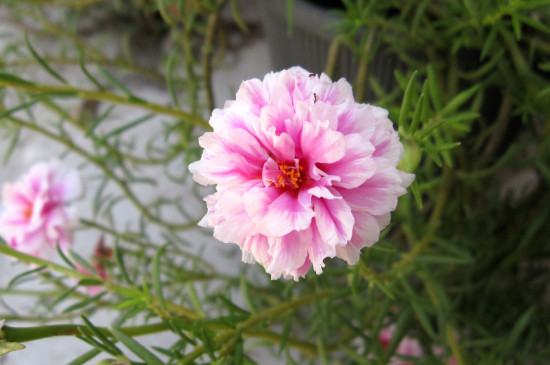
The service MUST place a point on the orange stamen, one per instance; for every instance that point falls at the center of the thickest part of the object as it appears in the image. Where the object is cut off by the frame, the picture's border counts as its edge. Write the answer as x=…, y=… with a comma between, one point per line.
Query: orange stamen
x=291, y=176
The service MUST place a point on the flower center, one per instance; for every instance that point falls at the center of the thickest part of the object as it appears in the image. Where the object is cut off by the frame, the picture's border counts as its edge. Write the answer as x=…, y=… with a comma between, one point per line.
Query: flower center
x=289, y=175
x=27, y=211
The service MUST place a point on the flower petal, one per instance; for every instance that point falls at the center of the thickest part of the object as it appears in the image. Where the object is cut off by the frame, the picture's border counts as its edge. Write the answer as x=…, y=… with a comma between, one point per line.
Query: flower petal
x=334, y=220
x=321, y=145
x=356, y=166
x=277, y=212
x=289, y=253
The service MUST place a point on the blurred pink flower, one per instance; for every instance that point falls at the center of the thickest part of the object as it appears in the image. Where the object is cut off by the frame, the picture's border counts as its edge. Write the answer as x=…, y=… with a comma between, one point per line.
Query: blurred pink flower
x=36, y=213
x=408, y=346
x=302, y=172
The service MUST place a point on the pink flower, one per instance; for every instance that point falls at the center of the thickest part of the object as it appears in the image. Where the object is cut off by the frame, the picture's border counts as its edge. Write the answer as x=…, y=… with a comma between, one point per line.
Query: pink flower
x=36, y=213
x=409, y=347
x=302, y=172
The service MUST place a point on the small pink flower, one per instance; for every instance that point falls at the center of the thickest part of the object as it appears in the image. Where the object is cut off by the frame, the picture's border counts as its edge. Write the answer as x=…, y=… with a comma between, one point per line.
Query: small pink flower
x=302, y=172
x=408, y=346
x=36, y=213
x=101, y=253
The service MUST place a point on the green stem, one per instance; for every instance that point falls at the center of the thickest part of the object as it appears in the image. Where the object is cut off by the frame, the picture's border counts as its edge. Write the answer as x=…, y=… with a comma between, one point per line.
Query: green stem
x=207, y=57
x=500, y=128
x=25, y=334
x=225, y=337
x=125, y=291
x=332, y=59
x=69, y=91
x=433, y=222
x=362, y=69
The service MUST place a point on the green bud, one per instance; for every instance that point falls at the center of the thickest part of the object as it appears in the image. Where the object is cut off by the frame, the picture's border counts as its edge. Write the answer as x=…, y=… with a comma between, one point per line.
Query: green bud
x=411, y=156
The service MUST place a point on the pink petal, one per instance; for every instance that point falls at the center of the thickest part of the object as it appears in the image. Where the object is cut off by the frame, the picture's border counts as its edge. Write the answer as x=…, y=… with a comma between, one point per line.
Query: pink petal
x=365, y=233
x=288, y=254
x=334, y=220
x=378, y=195
x=321, y=145
x=231, y=159
x=322, y=112
x=277, y=212
x=232, y=223
x=318, y=250
x=254, y=93
x=356, y=166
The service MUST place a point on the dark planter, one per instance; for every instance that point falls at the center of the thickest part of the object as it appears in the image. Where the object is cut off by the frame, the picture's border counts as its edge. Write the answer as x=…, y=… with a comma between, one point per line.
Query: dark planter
x=309, y=42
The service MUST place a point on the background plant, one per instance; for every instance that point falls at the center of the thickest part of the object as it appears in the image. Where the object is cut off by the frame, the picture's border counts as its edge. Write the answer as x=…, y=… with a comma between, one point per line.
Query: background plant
x=464, y=264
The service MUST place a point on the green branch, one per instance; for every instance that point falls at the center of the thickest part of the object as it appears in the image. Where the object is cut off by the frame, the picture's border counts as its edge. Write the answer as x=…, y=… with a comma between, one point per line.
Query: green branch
x=25, y=334
x=11, y=81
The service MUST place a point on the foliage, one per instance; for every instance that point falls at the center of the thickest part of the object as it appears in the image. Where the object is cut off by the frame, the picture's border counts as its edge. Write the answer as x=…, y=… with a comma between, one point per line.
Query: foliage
x=464, y=264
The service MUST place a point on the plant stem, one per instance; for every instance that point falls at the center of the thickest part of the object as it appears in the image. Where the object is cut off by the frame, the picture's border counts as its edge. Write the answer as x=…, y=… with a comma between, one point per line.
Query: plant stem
x=277, y=310
x=125, y=291
x=69, y=91
x=207, y=50
x=362, y=69
x=25, y=334
x=333, y=53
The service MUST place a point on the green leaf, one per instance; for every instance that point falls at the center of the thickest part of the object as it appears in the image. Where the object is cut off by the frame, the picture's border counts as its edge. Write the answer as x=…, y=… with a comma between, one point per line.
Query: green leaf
x=246, y=295
x=43, y=63
x=136, y=347
x=441, y=147
x=430, y=128
x=417, y=113
x=24, y=275
x=84, y=303
x=85, y=357
x=208, y=343
x=459, y=100
x=195, y=301
x=289, y=17
x=129, y=126
x=407, y=101
x=518, y=328
x=64, y=295
x=169, y=78
x=83, y=263
x=516, y=25
x=286, y=331
x=120, y=263
x=114, y=82
x=14, y=80
x=11, y=147
x=99, y=120
x=86, y=72
x=321, y=351
x=156, y=272
x=63, y=257
x=101, y=337
x=24, y=106
x=435, y=92
x=238, y=354
x=418, y=309
x=7, y=347
x=237, y=16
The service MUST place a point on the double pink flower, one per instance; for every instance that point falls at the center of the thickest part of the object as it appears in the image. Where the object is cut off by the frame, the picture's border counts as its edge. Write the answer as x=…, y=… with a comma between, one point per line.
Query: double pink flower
x=36, y=213
x=302, y=172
